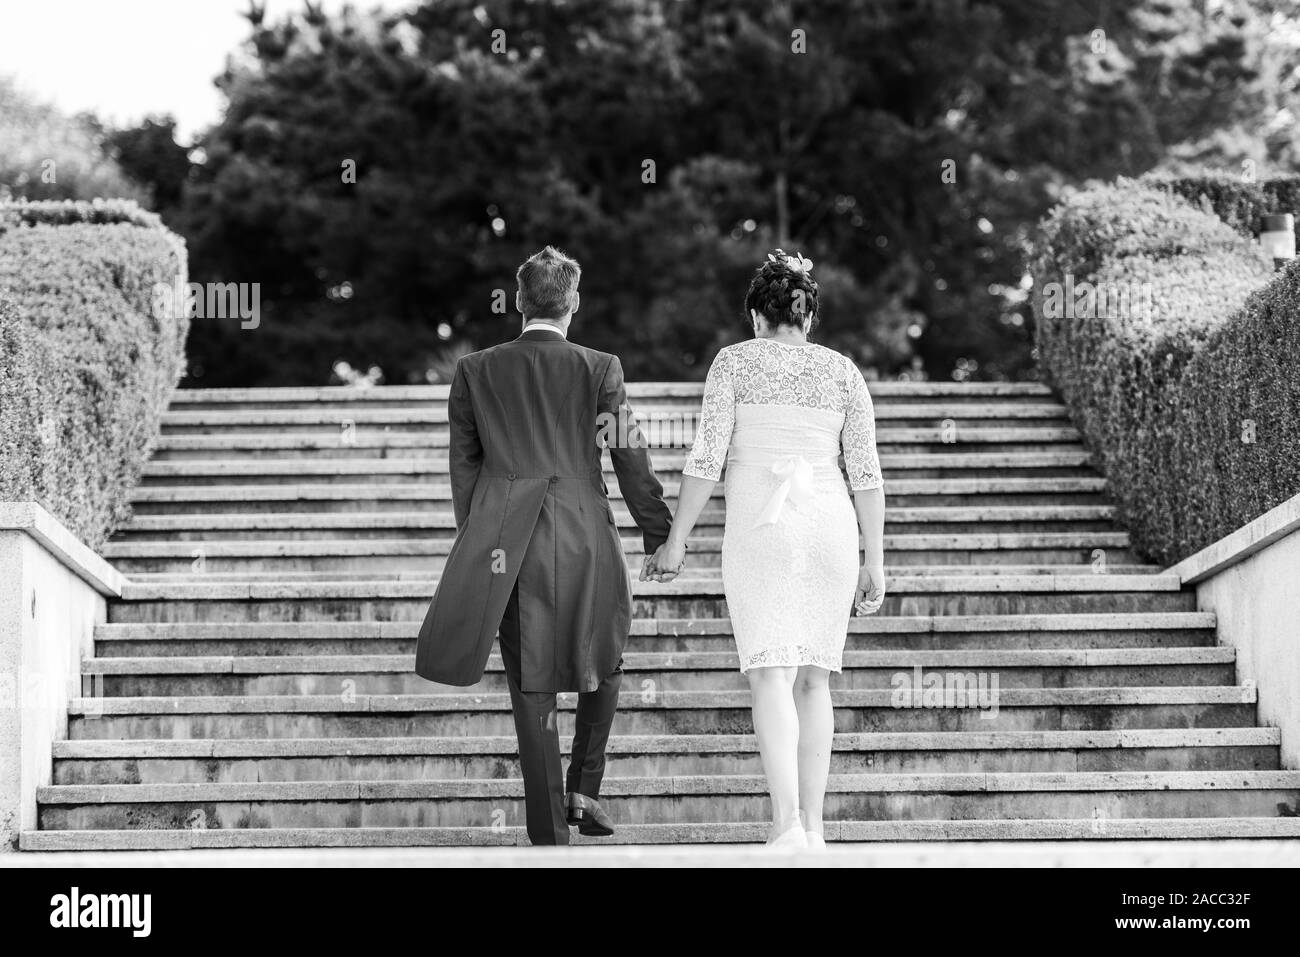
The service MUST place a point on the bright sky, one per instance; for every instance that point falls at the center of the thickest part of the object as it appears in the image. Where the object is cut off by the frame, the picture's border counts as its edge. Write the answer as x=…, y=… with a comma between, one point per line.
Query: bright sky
x=124, y=59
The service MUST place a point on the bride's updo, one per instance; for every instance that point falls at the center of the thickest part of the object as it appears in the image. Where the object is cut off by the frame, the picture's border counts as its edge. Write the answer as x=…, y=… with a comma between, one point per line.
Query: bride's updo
x=783, y=291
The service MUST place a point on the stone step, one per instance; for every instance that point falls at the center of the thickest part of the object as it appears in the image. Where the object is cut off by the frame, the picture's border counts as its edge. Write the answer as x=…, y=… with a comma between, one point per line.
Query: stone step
x=651, y=414
x=427, y=441
x=226, y=526
x=1086, y=828
x=707, y=570
x=326, y=499
x=1068, y=579
x=636, y=701
x=311, y=395
x=333, y=568
x=685, y=712
x=680, y=800
x=421, y=557
x=226, y=566
x=441, y=491
x=632, y=545
x=275, y=685
x=918, y=633
x=668, y=464
x=655, y=672
x=662, y=416
x=907, y=595
x=405, y=758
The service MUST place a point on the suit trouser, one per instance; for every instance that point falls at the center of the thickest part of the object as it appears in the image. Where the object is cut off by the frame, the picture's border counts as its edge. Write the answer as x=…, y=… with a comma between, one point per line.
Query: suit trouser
x=536, y=725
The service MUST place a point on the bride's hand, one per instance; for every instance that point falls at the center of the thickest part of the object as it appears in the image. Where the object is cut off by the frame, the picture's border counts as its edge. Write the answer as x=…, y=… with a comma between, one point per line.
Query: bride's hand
x=870, y=594
x=668, y=562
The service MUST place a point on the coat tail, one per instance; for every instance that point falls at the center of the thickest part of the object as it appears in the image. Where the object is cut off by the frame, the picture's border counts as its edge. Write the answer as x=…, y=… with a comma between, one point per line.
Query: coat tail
x=456, y=637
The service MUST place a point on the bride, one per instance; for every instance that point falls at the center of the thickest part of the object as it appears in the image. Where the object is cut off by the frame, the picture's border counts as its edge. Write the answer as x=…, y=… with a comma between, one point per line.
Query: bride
x=778, y=412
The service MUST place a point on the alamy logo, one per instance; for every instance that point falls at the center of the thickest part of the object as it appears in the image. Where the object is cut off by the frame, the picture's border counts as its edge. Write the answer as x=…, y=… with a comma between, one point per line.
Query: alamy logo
x=1101, y=300
x=102, y=910
x=213, y=300
x=946, y=689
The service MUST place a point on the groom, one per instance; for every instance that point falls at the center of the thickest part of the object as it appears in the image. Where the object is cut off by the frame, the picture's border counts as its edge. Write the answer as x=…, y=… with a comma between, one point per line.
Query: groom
x=537, y=554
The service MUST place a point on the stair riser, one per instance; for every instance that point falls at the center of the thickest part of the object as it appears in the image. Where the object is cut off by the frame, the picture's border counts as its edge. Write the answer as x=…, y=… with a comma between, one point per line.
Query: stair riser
x=1172, y=638
x=441, y=505
x=677, y=426
x=987, y=519
x=496, y=766
x=673, y=432
x=752, y=834
x=646, y=405
x=388, y=566
x=413, y=610
x=660, y=721
x=639, y=393
x=344, y=408
x=485, y=812
x=115, y=686
x=227, y=452
x=422, y=446
x=201, y=530
x=667, y=474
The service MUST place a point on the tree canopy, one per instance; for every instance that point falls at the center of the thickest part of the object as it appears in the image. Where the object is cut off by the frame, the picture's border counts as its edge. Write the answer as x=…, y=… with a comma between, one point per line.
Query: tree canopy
x=382, y=175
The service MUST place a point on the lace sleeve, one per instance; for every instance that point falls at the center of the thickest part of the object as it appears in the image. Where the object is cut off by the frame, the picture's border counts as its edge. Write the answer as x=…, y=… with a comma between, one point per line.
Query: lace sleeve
x=713, y=435
x=858, y=438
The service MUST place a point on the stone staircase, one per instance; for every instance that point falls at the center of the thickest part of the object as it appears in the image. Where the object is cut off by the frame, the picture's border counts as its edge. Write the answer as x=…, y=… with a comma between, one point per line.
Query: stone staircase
x=253, y=687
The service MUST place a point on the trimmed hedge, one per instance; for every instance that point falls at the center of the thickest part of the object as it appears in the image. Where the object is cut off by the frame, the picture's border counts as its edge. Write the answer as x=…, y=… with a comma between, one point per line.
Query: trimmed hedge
x=1242, y=205
x=86, y=369
x=1191, y=410
x=99, y=212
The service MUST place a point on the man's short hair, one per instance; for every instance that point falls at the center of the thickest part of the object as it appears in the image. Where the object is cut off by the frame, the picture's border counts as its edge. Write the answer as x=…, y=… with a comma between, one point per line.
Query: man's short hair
x=547, y=282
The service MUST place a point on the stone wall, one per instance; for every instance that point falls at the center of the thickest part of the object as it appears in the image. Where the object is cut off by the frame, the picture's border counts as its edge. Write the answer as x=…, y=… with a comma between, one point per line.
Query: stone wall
x=1251, y=581
x=53, y=591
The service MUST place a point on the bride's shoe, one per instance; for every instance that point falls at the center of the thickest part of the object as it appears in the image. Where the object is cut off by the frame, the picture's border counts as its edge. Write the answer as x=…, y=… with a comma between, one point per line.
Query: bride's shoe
x=792, y=839
x=815, y=841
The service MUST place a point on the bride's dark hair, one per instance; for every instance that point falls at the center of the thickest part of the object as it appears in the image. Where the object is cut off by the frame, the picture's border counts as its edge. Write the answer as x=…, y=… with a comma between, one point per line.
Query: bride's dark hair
x=783, y=291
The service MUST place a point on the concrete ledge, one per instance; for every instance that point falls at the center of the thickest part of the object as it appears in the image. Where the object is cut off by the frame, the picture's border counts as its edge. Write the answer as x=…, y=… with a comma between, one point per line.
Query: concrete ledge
x=33, y=519
x=53, y=594
x=1183, y=842
x=635, y=390
x=1273, y=525
x=1248, y=580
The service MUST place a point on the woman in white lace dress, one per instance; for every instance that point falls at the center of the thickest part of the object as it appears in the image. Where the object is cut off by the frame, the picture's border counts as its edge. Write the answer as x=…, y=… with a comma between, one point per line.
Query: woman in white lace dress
x=778, y=412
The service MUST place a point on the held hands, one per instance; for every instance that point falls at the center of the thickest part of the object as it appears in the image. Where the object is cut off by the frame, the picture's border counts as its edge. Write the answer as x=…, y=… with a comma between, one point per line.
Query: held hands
x=665, y=564
x=870, y=594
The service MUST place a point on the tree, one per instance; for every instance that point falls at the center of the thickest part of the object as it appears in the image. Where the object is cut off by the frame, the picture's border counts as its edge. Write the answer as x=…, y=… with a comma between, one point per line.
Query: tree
x=907, y=149
x=45, y=154
x=150, y=155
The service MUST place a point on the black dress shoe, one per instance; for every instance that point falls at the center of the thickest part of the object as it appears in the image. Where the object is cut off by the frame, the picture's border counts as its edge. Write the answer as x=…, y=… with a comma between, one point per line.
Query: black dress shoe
x=588, y=815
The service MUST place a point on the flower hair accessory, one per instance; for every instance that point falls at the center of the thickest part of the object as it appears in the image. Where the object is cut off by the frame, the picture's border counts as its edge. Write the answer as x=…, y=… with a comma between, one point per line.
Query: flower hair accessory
x=797, y=262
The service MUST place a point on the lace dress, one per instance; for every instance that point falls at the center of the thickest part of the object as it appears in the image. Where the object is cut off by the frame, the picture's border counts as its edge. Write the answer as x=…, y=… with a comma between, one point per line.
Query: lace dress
x=778, y=416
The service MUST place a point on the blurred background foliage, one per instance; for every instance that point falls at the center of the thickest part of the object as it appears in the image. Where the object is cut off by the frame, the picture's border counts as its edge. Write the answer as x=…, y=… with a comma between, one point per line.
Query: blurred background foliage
x=468, y=160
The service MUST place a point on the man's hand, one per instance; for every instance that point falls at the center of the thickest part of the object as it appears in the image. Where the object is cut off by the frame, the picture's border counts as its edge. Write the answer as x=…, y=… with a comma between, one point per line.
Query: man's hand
x=664, y=565
x=870, y=594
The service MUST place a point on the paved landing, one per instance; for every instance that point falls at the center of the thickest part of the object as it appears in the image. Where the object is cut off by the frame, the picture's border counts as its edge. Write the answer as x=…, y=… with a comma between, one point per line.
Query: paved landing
x=1125, y=854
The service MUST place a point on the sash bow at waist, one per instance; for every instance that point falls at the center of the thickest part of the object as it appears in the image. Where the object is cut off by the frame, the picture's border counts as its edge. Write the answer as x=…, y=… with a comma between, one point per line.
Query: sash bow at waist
x=796, y=474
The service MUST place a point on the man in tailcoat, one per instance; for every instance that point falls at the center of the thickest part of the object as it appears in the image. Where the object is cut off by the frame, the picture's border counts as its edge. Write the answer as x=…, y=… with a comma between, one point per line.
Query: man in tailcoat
x=537, y=555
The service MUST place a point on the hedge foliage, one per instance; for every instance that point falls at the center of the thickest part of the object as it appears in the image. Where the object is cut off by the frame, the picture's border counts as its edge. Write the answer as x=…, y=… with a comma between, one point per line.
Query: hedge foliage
x=67, y=212
x=1240, y=203
x=86, y=369
x=1191, y=411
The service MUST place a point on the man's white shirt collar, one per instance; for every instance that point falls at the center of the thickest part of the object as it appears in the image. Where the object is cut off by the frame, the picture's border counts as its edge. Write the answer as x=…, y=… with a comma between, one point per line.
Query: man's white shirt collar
x=528, y=327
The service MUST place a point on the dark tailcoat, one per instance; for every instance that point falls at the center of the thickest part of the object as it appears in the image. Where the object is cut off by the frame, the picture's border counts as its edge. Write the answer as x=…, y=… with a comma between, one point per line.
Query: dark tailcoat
x=527, y=420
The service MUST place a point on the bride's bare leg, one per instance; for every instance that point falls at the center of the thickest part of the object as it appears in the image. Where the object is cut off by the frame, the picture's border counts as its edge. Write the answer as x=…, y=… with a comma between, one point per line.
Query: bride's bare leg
x=776, y=725
x=812, y=700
